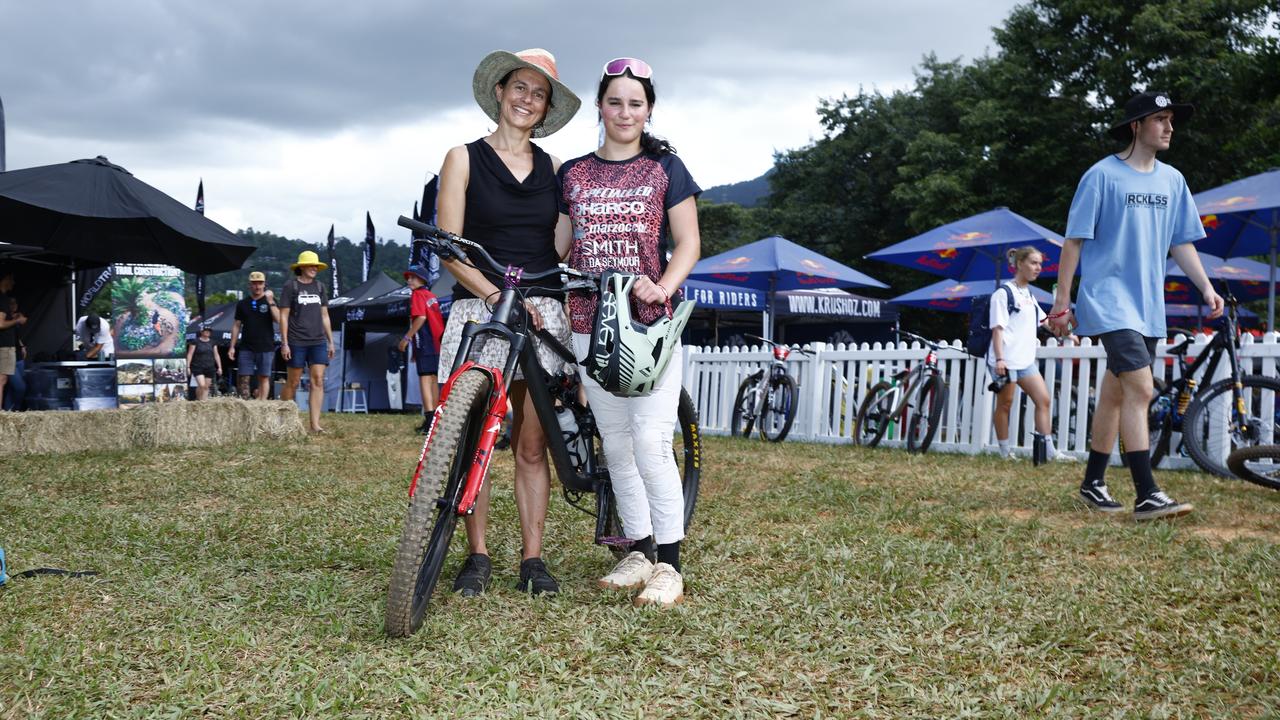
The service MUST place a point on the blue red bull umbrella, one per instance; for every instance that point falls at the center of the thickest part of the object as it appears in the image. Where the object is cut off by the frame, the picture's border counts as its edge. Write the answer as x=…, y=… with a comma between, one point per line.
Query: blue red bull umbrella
x=975, y=248
x=1246, y=279
x=958, y=295
x=1177, y=312
x=1243, y=218
x=776, y=263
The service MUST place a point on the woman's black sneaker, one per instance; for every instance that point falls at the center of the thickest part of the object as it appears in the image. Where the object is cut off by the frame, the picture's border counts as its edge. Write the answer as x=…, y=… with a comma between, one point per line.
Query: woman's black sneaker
x=473, y=578
x=1095, y=496
x=1158, y=505
x=535, y=580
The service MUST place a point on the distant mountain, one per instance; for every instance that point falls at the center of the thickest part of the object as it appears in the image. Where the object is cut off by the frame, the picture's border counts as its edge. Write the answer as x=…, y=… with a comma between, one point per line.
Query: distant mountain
x=747, y=193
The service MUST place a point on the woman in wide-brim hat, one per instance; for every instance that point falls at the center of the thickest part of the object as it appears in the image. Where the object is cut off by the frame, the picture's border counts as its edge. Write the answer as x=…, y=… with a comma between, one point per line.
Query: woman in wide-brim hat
x=500, y=191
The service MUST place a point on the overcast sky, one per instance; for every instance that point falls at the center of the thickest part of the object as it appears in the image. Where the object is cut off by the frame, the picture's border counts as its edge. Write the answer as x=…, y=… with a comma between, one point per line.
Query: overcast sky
x=302, y=114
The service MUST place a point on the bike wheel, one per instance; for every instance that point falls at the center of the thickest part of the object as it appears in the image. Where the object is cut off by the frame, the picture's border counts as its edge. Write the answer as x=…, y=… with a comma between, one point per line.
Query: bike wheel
x=1211, y=429
x=1259, y=464
x=874, y=416
x=1160, y=420
x=687, y=448
x=432, y=514
x=926, y=414
x=779, y=409
x=744, y=417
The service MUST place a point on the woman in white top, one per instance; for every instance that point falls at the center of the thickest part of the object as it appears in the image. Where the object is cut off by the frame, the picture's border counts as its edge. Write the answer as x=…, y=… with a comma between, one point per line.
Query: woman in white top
x=1012, y=356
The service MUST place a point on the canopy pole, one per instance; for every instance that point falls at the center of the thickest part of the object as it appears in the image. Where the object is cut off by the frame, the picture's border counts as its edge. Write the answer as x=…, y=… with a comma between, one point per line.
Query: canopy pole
x=342, y=384
x=1271, y=286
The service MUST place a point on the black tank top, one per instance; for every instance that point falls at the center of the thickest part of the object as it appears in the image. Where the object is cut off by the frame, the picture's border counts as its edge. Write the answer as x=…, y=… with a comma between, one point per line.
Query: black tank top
x=514, y=221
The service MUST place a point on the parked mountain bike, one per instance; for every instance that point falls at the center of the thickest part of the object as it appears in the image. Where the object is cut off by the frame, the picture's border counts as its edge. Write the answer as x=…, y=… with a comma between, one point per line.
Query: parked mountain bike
x=454, y=461
x=912, y=400
x=1211, y=419
x=1259, y=464
x=767, y=398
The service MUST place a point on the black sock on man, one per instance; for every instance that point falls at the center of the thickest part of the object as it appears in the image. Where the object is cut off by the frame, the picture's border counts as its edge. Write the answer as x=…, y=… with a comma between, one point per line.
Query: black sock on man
x=669, y=553
x=1140, y=468
x=1095, y=471
x=644, y=546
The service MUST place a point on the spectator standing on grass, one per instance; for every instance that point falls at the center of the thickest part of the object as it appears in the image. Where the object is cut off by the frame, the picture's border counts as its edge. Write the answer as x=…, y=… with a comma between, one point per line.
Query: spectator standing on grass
x=1130, y=212
x=1011, y=359
x=304, y=326
x=652, y=193
x=203, y=361
x=15, y=390
x=10, y=320
x=256, y=316
x=500, y=191
x=426, y=326
x=95, y=338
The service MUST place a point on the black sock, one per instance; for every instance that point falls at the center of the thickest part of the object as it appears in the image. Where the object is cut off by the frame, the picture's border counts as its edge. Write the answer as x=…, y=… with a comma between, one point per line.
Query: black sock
x=669, y=553
x=1095, y=470
x=1140, y=468
x=644, y=546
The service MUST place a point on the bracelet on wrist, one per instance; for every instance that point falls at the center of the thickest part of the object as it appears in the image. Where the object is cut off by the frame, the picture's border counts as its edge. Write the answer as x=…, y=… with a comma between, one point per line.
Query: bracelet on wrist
x=666, y=294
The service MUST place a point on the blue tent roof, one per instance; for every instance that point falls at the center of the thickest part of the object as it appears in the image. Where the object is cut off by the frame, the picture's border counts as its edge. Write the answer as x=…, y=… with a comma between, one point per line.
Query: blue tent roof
x=1242, y=217
x=787, y=264
x=975, y=248
x=957, y=296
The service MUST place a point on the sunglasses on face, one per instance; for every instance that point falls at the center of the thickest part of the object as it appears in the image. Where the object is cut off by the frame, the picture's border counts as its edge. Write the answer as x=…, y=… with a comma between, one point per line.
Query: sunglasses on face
x=638, y=68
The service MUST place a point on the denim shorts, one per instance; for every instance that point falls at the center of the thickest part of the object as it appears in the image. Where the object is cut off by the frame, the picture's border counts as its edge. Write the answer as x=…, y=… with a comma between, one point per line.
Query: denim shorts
x=255, y=363
x=1015, y=375
x=1127, y=350
x=305, y=355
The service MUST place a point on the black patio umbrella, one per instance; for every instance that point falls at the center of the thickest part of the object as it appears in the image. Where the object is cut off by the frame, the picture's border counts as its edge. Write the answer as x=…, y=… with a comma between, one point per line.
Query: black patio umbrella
x=98, y=212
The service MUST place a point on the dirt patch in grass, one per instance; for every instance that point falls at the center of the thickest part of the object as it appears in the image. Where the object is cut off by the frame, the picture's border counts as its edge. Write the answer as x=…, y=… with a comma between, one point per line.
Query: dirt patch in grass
x=1221, y=535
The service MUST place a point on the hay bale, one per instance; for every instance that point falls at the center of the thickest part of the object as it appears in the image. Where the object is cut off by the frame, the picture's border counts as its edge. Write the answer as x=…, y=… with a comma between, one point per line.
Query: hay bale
x=220, y=421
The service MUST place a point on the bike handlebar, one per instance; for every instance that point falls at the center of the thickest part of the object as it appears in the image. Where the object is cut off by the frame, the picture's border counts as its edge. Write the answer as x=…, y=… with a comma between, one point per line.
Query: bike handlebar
x=931, y=343
x=449, y=245
x=796, y=348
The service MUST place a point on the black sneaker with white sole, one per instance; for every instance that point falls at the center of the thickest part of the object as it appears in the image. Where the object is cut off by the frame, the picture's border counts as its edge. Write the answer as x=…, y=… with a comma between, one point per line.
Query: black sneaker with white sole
x=1158, y=505
x=1096, y=497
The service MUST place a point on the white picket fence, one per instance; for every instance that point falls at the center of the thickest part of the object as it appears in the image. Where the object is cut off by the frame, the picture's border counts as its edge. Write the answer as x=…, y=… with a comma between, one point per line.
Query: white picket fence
x=833, y=381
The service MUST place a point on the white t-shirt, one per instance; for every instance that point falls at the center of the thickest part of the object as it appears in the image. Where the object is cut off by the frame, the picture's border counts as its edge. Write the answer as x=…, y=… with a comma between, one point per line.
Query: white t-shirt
x=103, y=336
x=1019, y=336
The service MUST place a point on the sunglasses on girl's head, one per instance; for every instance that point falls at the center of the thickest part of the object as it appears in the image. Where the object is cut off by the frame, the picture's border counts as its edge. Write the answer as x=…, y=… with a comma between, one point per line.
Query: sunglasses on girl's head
x=638, y=68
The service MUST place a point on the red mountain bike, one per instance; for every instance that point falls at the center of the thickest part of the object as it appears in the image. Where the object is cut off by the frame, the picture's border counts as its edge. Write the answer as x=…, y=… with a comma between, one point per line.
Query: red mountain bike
x=455, y=457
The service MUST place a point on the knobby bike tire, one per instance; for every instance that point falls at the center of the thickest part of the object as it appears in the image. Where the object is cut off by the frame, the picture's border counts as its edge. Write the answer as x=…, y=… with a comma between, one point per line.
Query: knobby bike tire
x=688, y=456
x=432, y=515
x=779, y=409
x=874, y=416
x=930, y=397
x=740, y=414
x=1258, y=464
x=1203, y=447
x=1160, y=421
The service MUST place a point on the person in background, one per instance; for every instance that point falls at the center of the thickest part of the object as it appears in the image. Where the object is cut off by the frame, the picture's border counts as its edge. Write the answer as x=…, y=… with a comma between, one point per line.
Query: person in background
x=96, y=343
x=10, y=320
x=203, y=360
x=15, y=392
x=308, y=337
x=1011, y=359
x=426, y=326
x=255, y=315
x=1130, y=213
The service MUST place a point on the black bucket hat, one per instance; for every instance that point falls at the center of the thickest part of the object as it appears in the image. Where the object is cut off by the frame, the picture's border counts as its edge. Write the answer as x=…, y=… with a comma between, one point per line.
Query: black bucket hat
x=1144, y=104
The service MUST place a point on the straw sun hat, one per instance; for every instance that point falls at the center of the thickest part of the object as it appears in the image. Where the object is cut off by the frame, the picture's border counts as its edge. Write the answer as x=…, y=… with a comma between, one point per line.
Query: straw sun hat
x=495, y=66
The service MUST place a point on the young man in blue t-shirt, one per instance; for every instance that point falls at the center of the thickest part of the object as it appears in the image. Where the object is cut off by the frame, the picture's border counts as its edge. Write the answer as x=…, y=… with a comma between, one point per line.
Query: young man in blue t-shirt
x=1130, y=212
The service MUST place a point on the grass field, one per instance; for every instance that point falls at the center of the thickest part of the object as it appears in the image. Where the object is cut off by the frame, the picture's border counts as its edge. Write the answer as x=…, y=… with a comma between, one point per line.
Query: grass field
x=822, y=581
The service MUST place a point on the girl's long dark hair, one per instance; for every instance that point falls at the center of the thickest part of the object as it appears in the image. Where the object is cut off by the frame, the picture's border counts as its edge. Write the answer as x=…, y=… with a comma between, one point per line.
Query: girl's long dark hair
x=649, y=142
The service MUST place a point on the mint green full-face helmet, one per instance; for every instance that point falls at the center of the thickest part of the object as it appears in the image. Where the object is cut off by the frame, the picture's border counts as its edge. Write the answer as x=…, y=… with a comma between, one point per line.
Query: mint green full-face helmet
x=626, y=357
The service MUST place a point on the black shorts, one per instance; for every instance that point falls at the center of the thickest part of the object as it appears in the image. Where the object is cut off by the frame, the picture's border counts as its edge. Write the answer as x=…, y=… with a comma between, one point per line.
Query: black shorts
x=1127, y=350
x=427, y=364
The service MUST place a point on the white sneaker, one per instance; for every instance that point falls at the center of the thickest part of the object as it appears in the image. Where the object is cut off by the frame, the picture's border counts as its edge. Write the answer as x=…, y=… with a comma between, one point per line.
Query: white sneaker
x=664, y=588
x=1063, y=457
x=632, y=572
